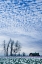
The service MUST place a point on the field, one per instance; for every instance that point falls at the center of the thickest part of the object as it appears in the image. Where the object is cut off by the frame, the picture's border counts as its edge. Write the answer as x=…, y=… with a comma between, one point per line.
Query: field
x=20, y=60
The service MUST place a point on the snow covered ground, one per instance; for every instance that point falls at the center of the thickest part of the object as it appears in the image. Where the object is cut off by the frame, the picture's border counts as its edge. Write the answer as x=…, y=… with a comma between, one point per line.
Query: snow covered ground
x=20, y=60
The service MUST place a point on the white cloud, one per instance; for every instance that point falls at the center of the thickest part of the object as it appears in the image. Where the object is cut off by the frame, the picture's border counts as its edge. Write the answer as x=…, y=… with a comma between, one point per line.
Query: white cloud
x=21, y=22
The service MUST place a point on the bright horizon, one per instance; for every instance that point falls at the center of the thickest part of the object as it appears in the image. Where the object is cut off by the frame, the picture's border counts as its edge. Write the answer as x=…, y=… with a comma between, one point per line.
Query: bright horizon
x=22, y=21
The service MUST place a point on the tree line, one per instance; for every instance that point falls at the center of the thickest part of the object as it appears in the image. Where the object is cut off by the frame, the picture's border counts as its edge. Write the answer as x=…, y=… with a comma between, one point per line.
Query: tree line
x=15, y=47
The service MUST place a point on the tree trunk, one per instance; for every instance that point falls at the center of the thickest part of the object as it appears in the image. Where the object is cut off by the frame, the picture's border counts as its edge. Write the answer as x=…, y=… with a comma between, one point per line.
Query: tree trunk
x=11, y=49
x=7, y=52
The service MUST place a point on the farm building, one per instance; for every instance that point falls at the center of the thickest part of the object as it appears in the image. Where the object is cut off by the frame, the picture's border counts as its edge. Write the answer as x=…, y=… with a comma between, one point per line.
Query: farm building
x=34, y=54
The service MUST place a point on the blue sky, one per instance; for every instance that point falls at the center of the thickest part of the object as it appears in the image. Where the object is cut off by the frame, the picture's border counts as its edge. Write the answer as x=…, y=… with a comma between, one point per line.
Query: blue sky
x=22, y=20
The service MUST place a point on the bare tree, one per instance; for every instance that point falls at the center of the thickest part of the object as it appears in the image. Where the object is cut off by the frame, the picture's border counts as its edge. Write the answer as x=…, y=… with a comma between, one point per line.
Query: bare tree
x=11, y=47
x=4, y=48
x=17, y=47
x=24, y=54
x=10, y=42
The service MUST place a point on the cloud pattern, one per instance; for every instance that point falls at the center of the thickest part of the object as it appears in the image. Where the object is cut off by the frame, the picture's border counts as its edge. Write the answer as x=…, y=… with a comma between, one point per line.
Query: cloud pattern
x=22, y=18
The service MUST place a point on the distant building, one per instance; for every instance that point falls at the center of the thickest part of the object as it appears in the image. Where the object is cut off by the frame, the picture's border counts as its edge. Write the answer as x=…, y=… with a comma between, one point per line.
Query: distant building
x=34, y=54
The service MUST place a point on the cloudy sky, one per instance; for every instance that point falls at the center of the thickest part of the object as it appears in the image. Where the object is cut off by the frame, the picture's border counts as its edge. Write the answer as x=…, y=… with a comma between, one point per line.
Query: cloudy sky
x=21, y=20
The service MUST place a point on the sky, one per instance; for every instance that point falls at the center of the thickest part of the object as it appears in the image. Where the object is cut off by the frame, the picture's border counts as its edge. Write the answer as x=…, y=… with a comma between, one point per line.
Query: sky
x=21, y=20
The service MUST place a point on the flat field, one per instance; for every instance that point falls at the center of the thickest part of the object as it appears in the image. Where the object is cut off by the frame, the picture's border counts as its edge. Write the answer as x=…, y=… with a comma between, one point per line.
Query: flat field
x=20, y=60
